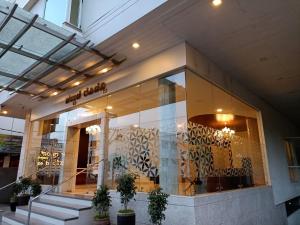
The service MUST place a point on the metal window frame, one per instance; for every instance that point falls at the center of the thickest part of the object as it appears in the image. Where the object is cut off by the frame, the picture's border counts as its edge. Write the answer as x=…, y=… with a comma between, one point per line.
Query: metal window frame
x=53, y=65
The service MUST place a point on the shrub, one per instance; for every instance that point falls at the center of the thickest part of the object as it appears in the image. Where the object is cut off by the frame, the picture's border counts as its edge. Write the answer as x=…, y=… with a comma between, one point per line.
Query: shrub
x=126, y=187
x=158, y=202
x=102, y=202
x=21, y=187
x=36, y=188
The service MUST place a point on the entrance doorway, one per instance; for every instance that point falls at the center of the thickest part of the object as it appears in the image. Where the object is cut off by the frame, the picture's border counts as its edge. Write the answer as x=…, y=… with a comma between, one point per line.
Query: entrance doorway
x=86, y=182
x=82, y=155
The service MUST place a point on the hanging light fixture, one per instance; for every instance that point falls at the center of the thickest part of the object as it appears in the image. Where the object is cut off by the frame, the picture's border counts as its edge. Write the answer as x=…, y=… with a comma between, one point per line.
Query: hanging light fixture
x=93, y=130
x=228, y=131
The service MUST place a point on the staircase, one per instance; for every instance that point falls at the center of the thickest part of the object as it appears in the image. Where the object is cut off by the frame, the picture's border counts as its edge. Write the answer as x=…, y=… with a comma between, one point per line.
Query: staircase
x=53, y=209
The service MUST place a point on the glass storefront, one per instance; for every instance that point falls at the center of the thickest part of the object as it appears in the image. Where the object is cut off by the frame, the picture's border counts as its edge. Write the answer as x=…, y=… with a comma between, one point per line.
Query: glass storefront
x=178, y=132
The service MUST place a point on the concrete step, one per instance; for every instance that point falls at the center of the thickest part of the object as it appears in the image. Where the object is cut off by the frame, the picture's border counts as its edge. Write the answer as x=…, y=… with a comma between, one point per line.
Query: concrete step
x=48, y=215
x=59, y=206
x=68, y=199
x=16, y=219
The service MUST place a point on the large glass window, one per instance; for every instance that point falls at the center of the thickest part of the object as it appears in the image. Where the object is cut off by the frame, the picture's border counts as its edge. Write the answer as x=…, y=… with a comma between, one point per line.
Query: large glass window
x=223, y=145
x=178, y=132
x=75, y=12
x=56, y=11
x=292, y=146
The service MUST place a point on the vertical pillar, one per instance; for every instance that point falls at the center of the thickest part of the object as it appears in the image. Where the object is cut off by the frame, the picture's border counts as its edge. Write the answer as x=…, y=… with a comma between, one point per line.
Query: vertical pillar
x=168, y=171
x=25, y=146
x=70, y=158
x=103, y=149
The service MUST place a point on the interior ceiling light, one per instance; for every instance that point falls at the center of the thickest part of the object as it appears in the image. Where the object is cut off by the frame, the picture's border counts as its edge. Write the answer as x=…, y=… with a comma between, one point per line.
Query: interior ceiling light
x=216, y=3
x=135, y=125
x=109, y=107
x=54, y=93
x=224, y=117
x=76, y=83
x=105, y=70
x=228, y=131
x=135, y=45
x=219, y=110
x=93, y=130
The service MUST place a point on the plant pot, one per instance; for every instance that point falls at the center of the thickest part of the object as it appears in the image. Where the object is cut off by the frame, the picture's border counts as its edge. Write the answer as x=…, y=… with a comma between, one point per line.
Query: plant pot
x=23, y=200
x=104, y=221
x=13, y=206
x=126, y=218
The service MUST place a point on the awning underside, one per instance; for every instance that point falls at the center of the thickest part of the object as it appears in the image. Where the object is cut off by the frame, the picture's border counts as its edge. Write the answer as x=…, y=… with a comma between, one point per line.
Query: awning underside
x=40, y=59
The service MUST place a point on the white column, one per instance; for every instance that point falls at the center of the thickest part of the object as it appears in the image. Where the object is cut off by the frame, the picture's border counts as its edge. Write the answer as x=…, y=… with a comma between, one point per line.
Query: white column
x=103, y=149
x=25, y=146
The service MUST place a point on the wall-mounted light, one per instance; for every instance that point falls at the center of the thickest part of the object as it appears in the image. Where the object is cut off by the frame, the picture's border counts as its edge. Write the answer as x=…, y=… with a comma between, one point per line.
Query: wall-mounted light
x=4, y=112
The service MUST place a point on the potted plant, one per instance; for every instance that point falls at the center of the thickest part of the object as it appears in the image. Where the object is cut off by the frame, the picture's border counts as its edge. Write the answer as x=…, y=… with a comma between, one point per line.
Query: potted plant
x=158, y=202
x=21, y=189
x=13, y=202
x=126, y=187
x=102, y=202
x=36, y=188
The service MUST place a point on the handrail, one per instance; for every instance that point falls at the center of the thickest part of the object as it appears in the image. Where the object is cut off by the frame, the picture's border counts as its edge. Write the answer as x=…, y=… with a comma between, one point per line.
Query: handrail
x=52, y=188
x=19, y=178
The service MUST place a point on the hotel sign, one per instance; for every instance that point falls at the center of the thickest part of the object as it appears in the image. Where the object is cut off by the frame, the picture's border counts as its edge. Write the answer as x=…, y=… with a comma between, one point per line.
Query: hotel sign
x=100, y=87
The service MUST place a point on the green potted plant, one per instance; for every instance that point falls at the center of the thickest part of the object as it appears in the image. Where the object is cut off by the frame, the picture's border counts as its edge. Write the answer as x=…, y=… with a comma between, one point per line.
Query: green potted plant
x=36, y=188
x=127, y=189
x=13, y=202
x=158, y=202
x=102, y=202
x=21, y=189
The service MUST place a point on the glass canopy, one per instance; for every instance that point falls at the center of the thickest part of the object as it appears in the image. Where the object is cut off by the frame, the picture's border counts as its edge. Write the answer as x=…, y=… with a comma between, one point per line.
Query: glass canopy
x=33, y=51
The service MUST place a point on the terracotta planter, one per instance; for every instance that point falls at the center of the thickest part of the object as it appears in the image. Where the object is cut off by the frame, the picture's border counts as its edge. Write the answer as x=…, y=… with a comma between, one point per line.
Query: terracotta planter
x=104, y=221
x=126, y=218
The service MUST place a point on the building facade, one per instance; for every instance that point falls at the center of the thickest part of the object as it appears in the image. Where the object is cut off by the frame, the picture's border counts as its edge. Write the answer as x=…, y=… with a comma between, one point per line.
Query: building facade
x=173, y=118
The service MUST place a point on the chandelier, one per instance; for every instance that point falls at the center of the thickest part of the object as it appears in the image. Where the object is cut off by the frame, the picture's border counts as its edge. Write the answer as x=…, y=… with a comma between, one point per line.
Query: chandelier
x=93, y=130
x=228, y=131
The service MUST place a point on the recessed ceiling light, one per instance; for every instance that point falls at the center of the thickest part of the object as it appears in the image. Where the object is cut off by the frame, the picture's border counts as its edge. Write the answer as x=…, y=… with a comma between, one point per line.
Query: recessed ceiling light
x=76, y=83
x=4, y=112
x=54, y=93
x=224, y=117
x=105, y=70
x=219, y=110
x=135, y=45
x=216, y=2
x=109, y=107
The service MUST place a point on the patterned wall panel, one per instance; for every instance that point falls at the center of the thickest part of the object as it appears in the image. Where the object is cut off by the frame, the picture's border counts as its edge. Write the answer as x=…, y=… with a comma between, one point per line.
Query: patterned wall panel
x=138, y=149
